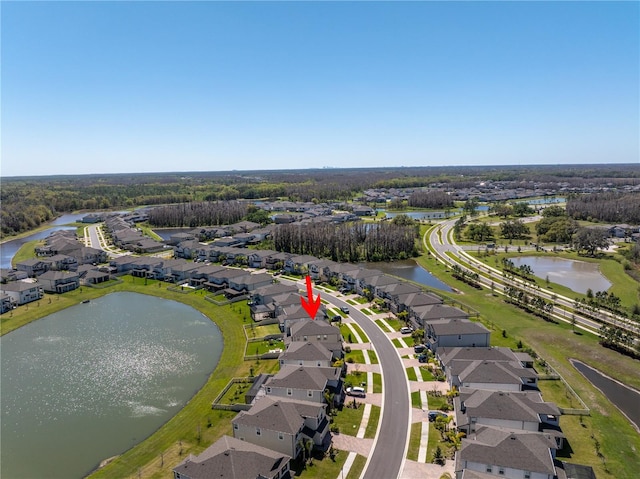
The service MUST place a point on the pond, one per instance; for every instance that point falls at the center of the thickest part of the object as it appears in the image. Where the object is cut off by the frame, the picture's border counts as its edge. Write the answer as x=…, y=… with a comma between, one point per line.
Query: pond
x=93, y=380
x=577, y=275
x=623, y=397
x=409, y=269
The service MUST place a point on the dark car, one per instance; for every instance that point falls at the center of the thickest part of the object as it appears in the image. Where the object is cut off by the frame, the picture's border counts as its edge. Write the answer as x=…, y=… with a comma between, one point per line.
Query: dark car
x=435, y=414
x=423, y=358
x=419, y=348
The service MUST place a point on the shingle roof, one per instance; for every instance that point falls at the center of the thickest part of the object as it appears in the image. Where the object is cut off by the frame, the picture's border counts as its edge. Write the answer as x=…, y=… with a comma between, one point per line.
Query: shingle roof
x=306, y=351
x=271, y=414
x=494, y=353
x=518, y=406
x=525, y=450
x=490, y=372
x=312, y=328
x=446, y=327
x=230, y=458
x=298, y=377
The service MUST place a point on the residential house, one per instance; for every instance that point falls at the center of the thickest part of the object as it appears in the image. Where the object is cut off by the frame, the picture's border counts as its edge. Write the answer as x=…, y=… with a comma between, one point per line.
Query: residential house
x=231, y=458
x=500, y=452
x=33, y=267
x=306, y=384
x=283, y=425
x=456, y=333
x=306, y=353
x=7, y=275
x=23, y=292
x=492, y=375
x=319, y=331
x=299, y=264
x=494, y=353
x=59, y=281
x=433, y=312
x=187, y=249
x=7, y=303
x=250, y=282
x=510, y=410
x=258, y=258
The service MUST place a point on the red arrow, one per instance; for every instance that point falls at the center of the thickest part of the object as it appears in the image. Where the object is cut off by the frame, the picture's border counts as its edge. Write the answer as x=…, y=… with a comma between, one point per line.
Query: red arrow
x=310, y=306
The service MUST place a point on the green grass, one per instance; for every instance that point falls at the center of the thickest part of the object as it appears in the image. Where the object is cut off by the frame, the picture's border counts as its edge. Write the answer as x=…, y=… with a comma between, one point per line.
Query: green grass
x=436, y=402
x=356, y=354
x=409, y=341
x=361, y=300
x=414, y=441
x=381, y=325
x=427, y=375
x=352, y=302
x=618, y=440
x=26, y=251
x=360, y=332
x=262, y=331
x=396, y=324
x=236, y=393
x=556, y=391
x=263, y=347
x=356, y=468
x=377, y=383
x=373, y=357
x=411, y=374
x=320, y=467
x=366, y=311
x=372, y=425
x=355, y=379
x=416, y=402
x=349, y=419
x=396, y=342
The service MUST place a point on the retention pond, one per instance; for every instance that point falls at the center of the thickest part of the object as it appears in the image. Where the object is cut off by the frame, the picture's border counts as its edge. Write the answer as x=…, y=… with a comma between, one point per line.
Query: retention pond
x=91, y=381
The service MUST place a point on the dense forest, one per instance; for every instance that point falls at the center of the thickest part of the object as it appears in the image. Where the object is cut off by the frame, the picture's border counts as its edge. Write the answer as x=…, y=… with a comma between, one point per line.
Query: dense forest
x=352, y=242
x=201, y=213
x=27, y=202
x=609, y=207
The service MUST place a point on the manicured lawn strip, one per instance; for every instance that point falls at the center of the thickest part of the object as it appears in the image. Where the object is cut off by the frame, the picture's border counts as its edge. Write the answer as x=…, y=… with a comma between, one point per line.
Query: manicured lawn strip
x=381, y=325
x=356, y=468
x=377, y=383
x=436, y=402
x=619, y=442
x=361, y=300
x=414, y=441
x=356, y=378
x=356, y=354
x=416, y=402
x=409, y=341
x=434, y=441
x=372, y=425
x=146, y=230
x=427, y=375
x=396, y=342
x=373, y=357
x=352, y=301
x=411, y=374
x=396, y=324
x=349, y=419
x=366, y=311
x=347, y=334
x=26, y=251
x=360, y=332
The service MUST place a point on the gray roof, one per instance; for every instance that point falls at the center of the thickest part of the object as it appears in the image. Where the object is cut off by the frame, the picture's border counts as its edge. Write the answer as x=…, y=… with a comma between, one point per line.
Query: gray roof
x=518, y=406
x=448, y=327
x=525, y=450
x=55, y=275
x=494, y=353
x=298, y=377
x=490, y=372
x=313, y=328
x=19, y=286
x=306, y=351
x=278, y=414
x=230, y=458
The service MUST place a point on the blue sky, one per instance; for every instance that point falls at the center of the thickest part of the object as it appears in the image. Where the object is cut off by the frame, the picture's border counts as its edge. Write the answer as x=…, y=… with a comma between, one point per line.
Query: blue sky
x=113, y=87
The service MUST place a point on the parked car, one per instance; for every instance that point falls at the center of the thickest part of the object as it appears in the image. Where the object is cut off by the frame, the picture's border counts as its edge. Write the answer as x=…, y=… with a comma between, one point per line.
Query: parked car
x=337, y=317
x=422, y=358
x=356, y=391
x=406, y=330
x=419, y=348
x=435, y=414
x=345, y=310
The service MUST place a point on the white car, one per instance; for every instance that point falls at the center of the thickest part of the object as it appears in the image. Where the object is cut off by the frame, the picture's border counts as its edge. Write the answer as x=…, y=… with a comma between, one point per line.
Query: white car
x=356, y=391
x=406, y=330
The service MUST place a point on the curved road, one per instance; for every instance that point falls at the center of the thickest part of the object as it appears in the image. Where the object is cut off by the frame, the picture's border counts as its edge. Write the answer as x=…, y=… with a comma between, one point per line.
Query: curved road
x=441, y=245
x=387, y=456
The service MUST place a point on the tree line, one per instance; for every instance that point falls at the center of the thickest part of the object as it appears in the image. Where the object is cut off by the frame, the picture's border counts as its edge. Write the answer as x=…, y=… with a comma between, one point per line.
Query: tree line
x=609, y=207
x=202, y=213
x=350, y=242
x=430, y=199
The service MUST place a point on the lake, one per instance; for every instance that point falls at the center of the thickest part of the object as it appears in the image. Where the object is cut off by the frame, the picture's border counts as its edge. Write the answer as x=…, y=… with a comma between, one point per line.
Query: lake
x=93, y=380
x=409, y=269
x=577, y=275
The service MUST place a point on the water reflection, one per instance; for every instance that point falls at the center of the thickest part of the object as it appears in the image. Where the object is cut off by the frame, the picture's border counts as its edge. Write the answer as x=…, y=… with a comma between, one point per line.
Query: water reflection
x=103, y=376
x=577, y=275
x=410, y=270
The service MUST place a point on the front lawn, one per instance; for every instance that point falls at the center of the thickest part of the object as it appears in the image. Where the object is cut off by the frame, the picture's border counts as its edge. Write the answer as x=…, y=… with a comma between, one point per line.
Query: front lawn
x=348, y=419
x=372, y=425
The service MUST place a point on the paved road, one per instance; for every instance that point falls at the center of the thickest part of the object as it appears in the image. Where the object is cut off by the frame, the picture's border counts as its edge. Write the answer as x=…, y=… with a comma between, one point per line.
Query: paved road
x=390, y=448
x=441, y=245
